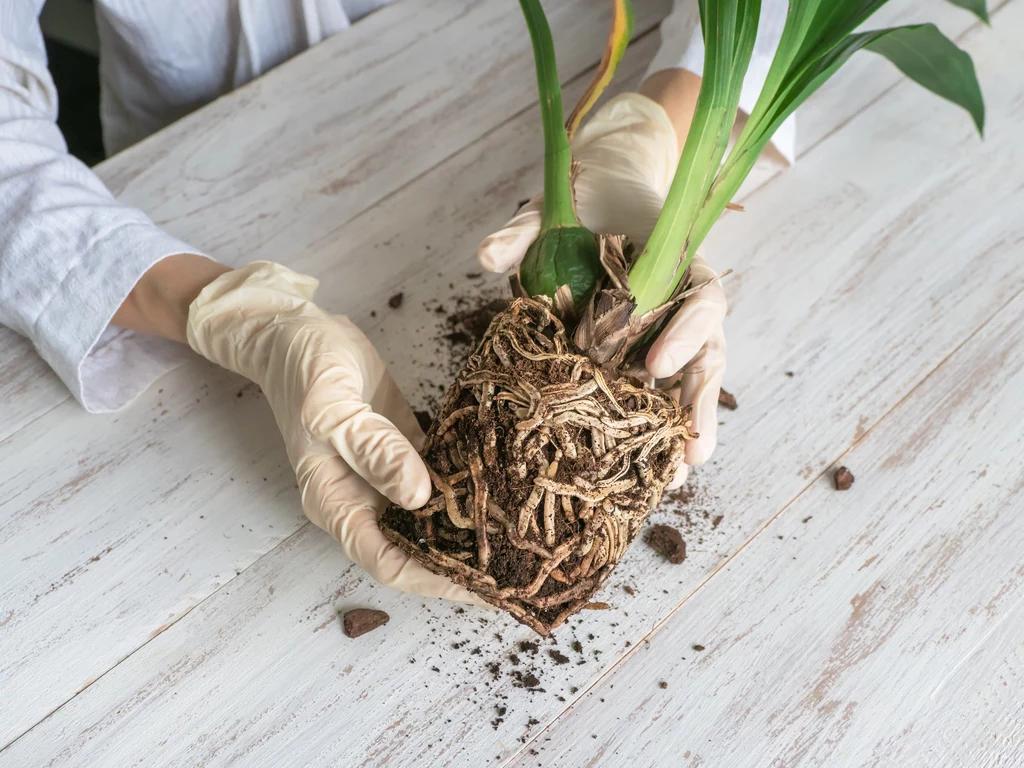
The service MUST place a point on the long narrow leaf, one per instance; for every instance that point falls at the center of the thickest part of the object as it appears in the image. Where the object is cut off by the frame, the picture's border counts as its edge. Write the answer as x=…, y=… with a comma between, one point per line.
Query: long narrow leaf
x=933, y=61
x=618, y=39
x=921, y=51
x=977, y=7
x=730, y=29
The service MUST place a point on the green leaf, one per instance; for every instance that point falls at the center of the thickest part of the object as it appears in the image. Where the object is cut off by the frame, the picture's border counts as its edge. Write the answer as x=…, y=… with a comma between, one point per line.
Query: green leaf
x=977, y=7
x=558, y=208
x=931, y=60
x=730, y=28
x=618, y=39
x=818, y=38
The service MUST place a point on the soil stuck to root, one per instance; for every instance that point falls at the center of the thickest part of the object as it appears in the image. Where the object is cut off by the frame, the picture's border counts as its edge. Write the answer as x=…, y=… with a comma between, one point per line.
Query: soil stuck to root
x=544, y=466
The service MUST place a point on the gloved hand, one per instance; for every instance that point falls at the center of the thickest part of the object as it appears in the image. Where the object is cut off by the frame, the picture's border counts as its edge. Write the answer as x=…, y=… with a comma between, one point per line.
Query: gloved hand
x=345, y=424
x=628, y=152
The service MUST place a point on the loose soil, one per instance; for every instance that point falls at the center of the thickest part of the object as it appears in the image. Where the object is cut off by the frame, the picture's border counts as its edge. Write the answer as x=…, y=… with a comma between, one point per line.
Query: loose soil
x=666, y=541
x=359, y=621
x=843, y=479
x=727, y=400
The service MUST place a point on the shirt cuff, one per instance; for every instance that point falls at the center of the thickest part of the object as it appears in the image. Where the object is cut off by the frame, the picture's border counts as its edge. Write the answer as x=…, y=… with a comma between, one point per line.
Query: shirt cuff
x=107, y=368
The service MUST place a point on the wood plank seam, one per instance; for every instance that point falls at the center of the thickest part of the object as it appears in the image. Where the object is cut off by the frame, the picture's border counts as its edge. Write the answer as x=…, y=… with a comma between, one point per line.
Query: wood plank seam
x=150, y=639
x=586, y=73
x=814, y=479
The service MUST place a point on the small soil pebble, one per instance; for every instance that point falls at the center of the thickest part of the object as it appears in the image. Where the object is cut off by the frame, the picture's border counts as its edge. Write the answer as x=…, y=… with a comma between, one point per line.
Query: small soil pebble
x=558, y=656
x=727, y=400
x=396, y=301
x=663, y=684
x=843, y=479
x=359, y=621
x=698, y=647
x=530, y=680
x=716, y=521
x=628, y=589
x=596, y=607
x=667, y=541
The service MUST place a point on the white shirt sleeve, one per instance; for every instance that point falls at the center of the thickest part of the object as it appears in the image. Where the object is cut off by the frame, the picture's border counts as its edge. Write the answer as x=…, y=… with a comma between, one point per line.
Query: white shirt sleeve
x=69, y=252
x=682, y=47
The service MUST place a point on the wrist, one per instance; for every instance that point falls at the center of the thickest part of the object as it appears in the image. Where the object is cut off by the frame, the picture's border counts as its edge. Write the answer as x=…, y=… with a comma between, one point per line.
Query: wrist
x=159, y=302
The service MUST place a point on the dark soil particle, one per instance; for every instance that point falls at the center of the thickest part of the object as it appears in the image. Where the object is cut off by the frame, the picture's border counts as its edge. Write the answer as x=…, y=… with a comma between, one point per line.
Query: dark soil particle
x=577, y=646
x=716, y=521
x=558, y=656
x=843, y=479
x=727, y=399
x=663, y=684
x=396, y=301
x=698, y=647
x=530, y=680
x=628, y=589
x=668, y=542
x=528, y=646
x=596, y=607
x=359, y=621
x=424, y=418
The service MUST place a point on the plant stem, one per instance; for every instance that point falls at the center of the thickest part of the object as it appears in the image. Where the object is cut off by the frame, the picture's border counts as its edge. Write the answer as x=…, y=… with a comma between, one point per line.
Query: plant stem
x=558, y=205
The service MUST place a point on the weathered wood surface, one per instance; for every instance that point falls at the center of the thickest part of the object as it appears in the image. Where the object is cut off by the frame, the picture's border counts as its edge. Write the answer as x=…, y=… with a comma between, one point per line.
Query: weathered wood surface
x=288, y=159
x=257, y=670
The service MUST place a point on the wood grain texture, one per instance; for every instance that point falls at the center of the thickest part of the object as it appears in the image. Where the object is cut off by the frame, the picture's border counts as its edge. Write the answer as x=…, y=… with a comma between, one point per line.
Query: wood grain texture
x=877, y=627
x=259, y=671
x=288, y=159
x=115, y=527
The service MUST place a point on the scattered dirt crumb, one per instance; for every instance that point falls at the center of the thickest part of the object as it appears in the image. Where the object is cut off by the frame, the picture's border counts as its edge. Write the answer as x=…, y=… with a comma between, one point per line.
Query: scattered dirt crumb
x=843, y=479
x=667, y=541
x=359, y=621
x=716, y=521
x=396, y=301
x=596, y=607
x=577, y=646
x=558, y=656
x=628, y=589
x=663, y=684
x=727, y=400
x=806, y=519
x=698, y=647
x=790, y=374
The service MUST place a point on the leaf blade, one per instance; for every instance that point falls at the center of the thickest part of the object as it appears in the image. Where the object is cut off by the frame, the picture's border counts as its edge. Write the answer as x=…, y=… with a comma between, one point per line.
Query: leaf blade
x=977, y=7
x=934, y=62
x=619, y=35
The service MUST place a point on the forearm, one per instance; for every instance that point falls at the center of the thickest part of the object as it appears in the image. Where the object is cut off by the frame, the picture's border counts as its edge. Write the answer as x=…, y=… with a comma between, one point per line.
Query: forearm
x=676, y=91
x=159, y=302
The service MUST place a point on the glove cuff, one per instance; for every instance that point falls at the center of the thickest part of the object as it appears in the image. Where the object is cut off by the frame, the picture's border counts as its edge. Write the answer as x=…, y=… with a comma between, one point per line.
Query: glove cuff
x=229, y=313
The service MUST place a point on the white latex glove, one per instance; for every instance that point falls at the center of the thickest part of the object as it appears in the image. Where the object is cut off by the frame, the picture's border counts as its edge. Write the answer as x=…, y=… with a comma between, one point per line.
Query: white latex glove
x=345, y=424
x=628, y=153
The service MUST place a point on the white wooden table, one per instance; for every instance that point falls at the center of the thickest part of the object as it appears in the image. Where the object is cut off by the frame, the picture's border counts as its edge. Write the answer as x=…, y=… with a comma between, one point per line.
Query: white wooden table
x=164, y=602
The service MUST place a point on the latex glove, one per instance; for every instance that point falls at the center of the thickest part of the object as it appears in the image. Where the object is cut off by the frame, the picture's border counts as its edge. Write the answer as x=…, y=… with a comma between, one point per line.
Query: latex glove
x=348, y=430
x=628, y=153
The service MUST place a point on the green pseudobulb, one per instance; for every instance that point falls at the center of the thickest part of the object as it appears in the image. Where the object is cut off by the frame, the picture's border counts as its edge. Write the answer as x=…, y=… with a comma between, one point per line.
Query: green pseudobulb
x=562, y=256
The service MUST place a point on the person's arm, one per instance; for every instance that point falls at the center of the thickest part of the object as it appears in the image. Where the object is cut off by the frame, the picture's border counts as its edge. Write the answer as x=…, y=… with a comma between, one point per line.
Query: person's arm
x=158, y=304
x=70, y=254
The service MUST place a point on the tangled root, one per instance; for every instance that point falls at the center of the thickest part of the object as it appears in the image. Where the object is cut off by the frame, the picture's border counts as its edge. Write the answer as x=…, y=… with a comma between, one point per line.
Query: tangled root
x=544, y=466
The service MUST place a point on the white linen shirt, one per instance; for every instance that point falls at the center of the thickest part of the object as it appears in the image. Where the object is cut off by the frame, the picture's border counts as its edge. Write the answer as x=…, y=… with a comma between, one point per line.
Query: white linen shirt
x=70, y=253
